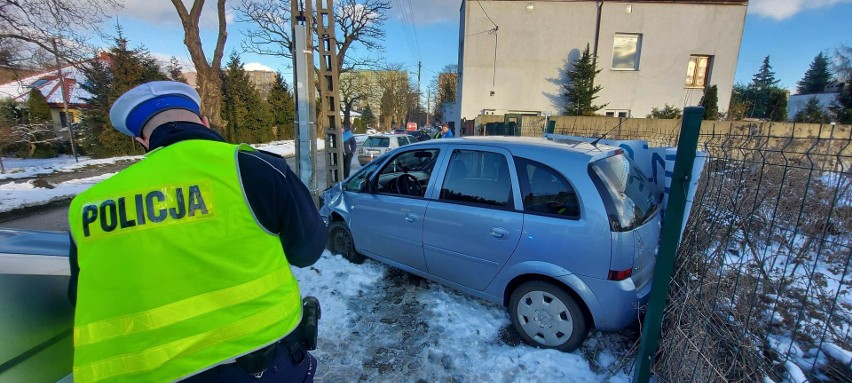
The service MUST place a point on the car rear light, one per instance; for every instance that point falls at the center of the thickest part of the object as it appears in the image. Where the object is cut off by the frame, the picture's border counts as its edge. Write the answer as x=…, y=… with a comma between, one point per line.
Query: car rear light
x=615, y=275
x=360, y=150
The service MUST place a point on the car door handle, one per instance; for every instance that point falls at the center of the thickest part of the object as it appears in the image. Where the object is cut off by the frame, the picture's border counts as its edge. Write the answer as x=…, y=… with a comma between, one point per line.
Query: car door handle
x=499, y=233
x=411, y=217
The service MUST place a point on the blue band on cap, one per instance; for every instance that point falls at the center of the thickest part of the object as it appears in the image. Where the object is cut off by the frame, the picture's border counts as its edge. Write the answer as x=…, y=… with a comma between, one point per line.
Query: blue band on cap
x=139, y=116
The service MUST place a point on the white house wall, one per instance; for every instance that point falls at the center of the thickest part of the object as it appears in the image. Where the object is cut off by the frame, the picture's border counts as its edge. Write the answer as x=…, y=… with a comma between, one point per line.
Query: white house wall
x=533, y=47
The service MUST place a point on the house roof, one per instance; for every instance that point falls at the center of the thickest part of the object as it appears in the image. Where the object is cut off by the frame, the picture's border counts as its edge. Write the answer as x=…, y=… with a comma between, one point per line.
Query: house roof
x=49, y=84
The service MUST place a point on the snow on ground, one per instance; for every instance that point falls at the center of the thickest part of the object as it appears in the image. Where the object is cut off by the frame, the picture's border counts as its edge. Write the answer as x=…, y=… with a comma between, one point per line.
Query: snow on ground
x=19, y=194
x=383, y=325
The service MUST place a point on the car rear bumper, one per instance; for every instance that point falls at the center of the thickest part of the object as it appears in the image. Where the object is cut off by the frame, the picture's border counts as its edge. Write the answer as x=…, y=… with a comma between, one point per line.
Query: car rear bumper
x=620, y=302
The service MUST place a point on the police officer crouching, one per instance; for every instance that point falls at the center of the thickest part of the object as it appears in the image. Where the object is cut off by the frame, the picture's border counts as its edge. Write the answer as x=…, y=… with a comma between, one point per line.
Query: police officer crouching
x=180, y=264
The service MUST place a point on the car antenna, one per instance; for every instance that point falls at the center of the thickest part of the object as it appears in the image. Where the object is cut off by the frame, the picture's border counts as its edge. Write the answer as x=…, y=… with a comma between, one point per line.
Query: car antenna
x=595, y=142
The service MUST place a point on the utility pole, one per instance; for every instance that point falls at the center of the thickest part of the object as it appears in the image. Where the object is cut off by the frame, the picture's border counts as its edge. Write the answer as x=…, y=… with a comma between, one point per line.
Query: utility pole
x=428, y=104
x=303, y=91
x=418, y=87
x=64, y=102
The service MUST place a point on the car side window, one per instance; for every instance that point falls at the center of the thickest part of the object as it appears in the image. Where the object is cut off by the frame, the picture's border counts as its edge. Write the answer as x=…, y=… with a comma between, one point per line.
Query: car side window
x=402, y=141
x=354, y=183
x=545, y=191
x=478, y=177
x=408, y=173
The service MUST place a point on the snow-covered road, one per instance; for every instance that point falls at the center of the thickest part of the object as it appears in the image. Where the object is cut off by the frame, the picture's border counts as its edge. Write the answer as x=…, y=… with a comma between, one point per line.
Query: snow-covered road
x=380, y=324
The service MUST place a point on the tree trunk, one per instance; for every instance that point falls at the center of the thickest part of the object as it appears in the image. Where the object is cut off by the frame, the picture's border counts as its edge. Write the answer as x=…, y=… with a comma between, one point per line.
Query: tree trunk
x=208, y=77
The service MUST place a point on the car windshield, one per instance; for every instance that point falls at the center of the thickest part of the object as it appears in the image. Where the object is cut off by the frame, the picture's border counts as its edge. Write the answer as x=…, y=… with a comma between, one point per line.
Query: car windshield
x=628, y=195
x=377, y=142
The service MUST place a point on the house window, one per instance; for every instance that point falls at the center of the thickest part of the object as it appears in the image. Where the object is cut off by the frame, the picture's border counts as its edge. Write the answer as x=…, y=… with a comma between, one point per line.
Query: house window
x=697, y=71
x=625, y=51
x=617, y=113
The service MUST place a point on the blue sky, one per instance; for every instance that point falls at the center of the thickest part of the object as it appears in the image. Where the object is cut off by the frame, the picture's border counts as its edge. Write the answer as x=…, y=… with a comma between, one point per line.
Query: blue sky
x=791, y=32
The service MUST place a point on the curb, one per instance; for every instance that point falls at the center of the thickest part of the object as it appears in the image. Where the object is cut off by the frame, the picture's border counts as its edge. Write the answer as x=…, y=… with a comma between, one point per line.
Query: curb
x=30, y=210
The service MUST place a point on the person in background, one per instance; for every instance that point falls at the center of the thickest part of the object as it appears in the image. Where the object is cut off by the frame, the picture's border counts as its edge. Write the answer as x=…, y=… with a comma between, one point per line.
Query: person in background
x=445, y=131
x=349, y=146
x=180, y=263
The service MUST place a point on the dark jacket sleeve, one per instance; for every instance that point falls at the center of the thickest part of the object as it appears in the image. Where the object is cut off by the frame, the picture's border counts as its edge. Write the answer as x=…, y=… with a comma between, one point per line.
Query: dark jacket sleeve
x=75, y=271
x=349, y=146
x=282, y=204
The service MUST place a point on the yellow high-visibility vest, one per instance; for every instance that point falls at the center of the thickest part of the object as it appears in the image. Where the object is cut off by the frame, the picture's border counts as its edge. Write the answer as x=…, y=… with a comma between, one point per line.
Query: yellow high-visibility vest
x=176, y=274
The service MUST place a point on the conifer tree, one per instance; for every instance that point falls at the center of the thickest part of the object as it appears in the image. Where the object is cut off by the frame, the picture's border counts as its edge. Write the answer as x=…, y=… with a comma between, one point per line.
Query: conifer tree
x=816, y=78
x=777, y=106
x=174, y=70
x=812, y=113
x=842, y=107
x=108, y=80
x=579, y=91
x=765, y=99
x=283, y=108
x=368, y=117
x=248, y=117
x=39, y=111
x=710, y=102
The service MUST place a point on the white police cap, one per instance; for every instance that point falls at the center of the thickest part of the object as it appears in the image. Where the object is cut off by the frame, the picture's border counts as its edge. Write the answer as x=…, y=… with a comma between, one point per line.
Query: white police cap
x=136, y=107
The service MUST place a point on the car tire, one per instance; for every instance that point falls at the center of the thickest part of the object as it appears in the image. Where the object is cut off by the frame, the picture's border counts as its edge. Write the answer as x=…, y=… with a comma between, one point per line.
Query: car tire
x=546, y=316
x=340, y=242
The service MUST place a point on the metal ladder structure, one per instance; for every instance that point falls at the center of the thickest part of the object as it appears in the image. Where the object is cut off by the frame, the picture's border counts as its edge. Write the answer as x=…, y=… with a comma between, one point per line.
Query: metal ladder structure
x=329, y=86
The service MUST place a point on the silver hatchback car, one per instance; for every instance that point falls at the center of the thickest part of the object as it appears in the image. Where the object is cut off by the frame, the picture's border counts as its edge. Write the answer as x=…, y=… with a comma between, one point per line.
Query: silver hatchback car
x=564, y=234
x=376, y=145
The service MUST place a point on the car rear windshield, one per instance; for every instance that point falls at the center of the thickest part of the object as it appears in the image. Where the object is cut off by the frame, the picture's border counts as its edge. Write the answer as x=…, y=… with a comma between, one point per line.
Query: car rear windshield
x=629, y=197
x=377, y=142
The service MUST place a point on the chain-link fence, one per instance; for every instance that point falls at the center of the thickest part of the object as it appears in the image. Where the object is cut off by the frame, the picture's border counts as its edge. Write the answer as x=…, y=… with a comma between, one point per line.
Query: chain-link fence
x=761, y=286
x=761, y=283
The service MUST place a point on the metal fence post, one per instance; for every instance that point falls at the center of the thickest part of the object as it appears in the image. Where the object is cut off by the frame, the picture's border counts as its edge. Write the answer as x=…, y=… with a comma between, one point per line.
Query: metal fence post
x=672, y=222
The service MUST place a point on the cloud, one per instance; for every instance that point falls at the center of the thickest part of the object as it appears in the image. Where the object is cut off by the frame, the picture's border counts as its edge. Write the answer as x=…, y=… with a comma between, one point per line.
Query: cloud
x=257, y=66
x=425, y=12
x=782, y=9
x=161, y=12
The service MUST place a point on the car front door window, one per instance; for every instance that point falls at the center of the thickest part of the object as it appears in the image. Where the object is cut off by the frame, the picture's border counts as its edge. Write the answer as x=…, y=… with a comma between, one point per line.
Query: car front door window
x=408, y=173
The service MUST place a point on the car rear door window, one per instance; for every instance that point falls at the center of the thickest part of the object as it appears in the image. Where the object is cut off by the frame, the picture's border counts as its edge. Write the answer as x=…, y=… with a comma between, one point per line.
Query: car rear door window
x=478, y=177
x=377, y=142
x=545, y=191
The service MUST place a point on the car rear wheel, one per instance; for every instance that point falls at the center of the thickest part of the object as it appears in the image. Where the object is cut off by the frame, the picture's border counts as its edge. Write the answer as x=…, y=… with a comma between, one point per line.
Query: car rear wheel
x=545, y=316
x=340, y=242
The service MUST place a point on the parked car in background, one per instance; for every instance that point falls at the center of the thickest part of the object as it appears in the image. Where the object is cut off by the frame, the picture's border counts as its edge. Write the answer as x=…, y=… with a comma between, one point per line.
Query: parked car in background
x=564, y=234
x=420, y=135
x=377, y=145
x=399, y=131
x=360, y=138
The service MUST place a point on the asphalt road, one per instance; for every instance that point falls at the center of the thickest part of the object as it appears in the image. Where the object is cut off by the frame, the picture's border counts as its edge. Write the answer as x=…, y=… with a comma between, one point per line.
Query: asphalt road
x=56, y=218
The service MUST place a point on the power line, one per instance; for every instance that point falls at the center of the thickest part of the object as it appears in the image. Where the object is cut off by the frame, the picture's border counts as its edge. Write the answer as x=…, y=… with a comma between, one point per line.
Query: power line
x=486, y=14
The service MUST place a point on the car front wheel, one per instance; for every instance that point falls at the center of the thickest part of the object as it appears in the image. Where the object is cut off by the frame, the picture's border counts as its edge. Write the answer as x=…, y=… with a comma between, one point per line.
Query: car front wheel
x=340, y=242
x=545, y=316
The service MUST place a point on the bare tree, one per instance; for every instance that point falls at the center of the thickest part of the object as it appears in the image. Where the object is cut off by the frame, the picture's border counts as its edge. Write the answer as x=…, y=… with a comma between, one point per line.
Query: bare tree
x=355, y=89
x=28, y=28
x=208, y=72
x=361, y=22
x=397, y=96
x=29, y=134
